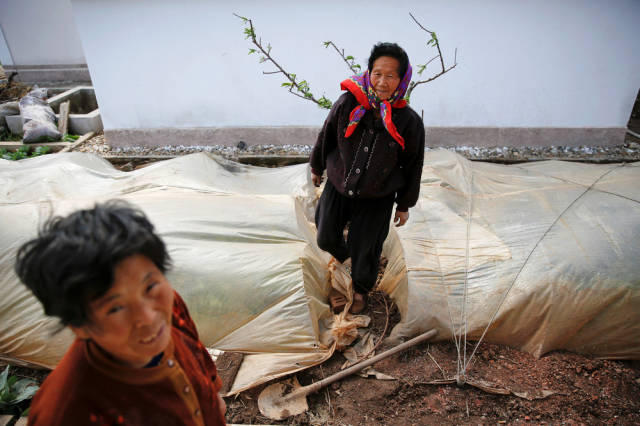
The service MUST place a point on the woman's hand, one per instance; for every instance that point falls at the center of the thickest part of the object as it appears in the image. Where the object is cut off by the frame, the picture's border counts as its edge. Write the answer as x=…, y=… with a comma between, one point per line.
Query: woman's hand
x=316, y=179
x=401, y=218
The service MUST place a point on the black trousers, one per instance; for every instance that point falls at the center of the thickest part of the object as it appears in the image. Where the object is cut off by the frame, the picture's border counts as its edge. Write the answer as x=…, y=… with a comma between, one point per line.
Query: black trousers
x=367, y=231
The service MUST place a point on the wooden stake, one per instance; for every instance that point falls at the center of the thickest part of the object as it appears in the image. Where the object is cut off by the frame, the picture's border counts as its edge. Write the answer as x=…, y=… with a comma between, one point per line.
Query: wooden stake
x=79, y=142
x=64, y=118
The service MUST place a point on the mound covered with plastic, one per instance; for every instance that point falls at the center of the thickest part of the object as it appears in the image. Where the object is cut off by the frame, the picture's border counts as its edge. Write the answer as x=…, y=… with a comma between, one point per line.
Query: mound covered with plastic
x=537, y=256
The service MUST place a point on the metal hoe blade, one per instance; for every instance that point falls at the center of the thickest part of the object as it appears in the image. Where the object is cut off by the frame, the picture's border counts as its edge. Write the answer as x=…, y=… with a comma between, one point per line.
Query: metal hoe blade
x=277, y=401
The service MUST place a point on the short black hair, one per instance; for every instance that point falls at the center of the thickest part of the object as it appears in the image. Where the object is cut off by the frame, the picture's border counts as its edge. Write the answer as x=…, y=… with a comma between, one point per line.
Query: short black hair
x=392, y=50
x=73, y=259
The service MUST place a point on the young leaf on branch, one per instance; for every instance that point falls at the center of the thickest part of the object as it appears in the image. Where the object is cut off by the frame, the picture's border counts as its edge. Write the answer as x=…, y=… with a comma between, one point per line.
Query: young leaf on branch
x=297, y=88
x=349, y=60
x=433, y=41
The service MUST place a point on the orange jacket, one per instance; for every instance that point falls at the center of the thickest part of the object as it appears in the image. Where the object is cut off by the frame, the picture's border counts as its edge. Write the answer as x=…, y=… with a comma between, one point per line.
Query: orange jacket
x=88, y=388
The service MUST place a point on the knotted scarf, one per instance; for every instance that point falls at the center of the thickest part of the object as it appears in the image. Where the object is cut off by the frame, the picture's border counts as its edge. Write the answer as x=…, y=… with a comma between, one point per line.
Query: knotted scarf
x=360, y=86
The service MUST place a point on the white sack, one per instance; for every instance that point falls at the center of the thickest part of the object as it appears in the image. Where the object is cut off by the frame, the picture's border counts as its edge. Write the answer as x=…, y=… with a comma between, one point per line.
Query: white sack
x=38, y=119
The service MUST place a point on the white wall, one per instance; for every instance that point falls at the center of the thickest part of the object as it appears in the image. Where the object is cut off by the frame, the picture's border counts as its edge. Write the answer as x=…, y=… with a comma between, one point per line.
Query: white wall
x=542, y=63
x=5, y=54
x=41, y=32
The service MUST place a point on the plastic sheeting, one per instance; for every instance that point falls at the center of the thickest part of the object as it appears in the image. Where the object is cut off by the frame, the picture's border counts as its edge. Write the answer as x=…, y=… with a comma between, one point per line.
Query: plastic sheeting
x=236, y=233
x=541, y=255
x=538, y=256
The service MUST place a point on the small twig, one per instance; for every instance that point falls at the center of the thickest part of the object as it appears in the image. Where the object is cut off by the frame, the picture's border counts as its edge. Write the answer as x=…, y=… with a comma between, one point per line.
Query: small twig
x=444, y=376
x=77, y=143
x=352, y=65
x=328, y=396
x=430, y=60
x=419, y=24
x=435, y=38
x=444, y=70
x=386, y=324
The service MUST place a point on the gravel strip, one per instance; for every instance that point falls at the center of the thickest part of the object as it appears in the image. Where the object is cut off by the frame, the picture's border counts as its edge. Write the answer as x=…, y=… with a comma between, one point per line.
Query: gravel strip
x=630, y=151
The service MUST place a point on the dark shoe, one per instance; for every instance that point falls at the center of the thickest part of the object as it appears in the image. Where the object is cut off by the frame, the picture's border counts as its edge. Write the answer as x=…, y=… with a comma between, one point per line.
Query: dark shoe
x=359, y=303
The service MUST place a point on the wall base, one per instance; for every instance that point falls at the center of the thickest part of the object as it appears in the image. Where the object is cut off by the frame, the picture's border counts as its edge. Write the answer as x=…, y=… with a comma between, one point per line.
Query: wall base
x=49, y=73
x=525, y=136
x=436, y=136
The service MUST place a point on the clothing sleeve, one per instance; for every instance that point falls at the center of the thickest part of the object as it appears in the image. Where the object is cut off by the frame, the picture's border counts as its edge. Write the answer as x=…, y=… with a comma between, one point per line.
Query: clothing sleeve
x=407, y=196
x=327, y=138
x=181, y=318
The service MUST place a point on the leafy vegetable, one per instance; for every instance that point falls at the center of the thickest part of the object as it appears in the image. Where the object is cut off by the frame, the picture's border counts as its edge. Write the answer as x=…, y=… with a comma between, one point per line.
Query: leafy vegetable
x=13, y=391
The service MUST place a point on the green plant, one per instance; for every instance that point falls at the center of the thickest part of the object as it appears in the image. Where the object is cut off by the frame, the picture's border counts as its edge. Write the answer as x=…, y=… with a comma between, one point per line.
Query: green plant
x=23, y=152
x=14, y=392
x=41, y=150
x=434, y=42
x=69, y=138
x=301, y=88
x=297, y=88
x=349, y=60
x=65, y=138
x=6, y=135
x=19, y=154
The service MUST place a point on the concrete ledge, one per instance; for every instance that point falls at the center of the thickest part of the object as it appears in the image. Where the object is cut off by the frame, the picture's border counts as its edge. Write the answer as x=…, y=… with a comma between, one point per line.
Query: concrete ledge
x=202, y=136
x=525, y=136
x=436, y=136
x=49, y=73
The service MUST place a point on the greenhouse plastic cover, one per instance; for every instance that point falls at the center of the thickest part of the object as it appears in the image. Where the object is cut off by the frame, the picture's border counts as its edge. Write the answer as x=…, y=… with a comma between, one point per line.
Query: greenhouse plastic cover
x=538, y=256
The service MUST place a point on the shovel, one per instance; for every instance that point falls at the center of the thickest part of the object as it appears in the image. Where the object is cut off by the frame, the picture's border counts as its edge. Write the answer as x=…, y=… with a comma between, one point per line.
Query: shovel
x=275, y=403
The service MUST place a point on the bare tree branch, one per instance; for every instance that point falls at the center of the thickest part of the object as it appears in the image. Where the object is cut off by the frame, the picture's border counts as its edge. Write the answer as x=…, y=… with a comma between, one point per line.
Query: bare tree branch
x=431, y=60
x=355, y=68
x=419, y=24
x=300, y=86
x=436, y=43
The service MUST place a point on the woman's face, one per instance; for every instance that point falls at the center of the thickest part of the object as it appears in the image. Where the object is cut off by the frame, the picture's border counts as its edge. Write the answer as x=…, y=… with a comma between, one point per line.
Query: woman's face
x=384, y=76
x=132, y=321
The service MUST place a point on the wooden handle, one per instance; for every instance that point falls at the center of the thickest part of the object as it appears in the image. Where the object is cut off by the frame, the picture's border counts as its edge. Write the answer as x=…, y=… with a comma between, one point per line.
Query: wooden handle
x=306, y=390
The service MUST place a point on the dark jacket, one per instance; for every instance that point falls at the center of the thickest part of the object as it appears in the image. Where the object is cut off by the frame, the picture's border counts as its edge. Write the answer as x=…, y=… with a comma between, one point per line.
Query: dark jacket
x=370, y=163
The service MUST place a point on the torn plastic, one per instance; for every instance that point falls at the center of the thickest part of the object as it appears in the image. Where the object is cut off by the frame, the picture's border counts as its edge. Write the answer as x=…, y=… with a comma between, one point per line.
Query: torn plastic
x=538, y=256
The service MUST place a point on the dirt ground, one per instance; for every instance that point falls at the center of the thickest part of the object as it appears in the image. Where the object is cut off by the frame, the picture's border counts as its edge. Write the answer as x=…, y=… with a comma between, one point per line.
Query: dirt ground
x=581, y=389
x=559, y=388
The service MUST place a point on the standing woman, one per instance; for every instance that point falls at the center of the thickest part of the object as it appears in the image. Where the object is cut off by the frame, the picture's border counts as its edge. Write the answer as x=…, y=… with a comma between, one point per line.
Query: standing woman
x=372, y=147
